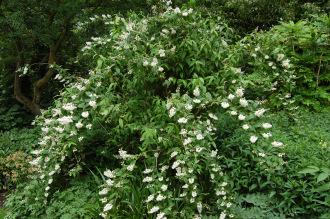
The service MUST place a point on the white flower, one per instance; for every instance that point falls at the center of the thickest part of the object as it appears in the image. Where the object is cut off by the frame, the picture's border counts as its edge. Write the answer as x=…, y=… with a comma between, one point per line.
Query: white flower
x=154, y=62
x=175, y=164
x=188, y=106
x=65, y=120
x=240, y=92
x=160, y=197
x=183, y=132
x=224, y=105
x=150, y=198
x=130, y=167
x=164, y=188
x=231, y=96
x=199, y=136
x=214, y=153
x=191, y=180
x=161, y=53
x=92, y=103
x=243, y=102
x=104, y=191
x=182, y=120
x=59, y=129
x=109, y=174
x=196, y=92
x=260, y=112
x=79, y=125
x=266, y=125
x=177, y=10
x=109, y=182
x=194, y=194
x=245, y=126
x=45, y=129
x=261, y=154
x=212, y=116
x=48, y=121
x=266, y=135
x=147, y=179
x=107, y=207
x=241, y=117
x=85, y=114
x=185, y=14
x=270, y=64
x=146, y=171
x=145, y=63
x=161, y=215
x=199, y=207
x=280, y=57
x=187, y=141
x=199, y=149
x=277, y=144
x=233, y=113
x=266, y=56
x=197, y=100
x=69, y=107
x=161, y=69
x=153, y=209
x=253, y=139
x=286, y=63
x=123, y=154
x=172, y=112
x=173, y=154
x=222, y=215
x=89, y=126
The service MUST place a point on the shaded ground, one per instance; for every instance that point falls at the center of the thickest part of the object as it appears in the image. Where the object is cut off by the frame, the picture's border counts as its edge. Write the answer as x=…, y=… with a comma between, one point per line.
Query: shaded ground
x=2, y=199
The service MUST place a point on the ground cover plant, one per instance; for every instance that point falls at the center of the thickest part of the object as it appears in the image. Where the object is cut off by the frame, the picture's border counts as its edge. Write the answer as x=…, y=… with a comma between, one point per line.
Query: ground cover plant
x=177, y=117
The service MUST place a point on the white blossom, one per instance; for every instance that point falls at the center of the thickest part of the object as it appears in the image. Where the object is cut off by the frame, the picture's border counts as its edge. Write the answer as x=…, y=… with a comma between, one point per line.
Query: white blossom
x=260, y=112
x=224, y=105
x=243, y=102
x=182, y=120
x=85, y=114
x=233, y=113
x=253, y=139
x=266, y=125
x=241, y=117
x=92, y=103
x=231, y=96
x=109, y=174
x=153, y=209
x=147, y=179
x=160, y=197
x=69, y=106
x=266, y=135
x=245, y=126
x=104, y=191
x=277, y=144
x=164, y=188
x=79, y=125
x=65, y=120
x=240, y=92
x=107, y=207
x=196, y=92
x=150, y=198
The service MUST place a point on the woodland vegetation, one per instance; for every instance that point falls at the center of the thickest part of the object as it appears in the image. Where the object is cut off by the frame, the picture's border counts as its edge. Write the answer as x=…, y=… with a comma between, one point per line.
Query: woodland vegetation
x=164, y=109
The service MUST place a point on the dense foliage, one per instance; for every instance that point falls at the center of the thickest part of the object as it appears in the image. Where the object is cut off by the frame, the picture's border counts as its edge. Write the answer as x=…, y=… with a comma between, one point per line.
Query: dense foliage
x=165, y=112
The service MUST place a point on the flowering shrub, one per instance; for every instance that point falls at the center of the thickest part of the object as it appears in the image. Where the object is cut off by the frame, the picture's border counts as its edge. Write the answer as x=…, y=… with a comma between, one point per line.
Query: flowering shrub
x=157, y=90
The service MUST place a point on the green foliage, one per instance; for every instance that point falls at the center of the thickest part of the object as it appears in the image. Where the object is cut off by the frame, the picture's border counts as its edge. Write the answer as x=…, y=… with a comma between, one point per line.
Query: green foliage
x=299, y=187
x=288, y=65
x=15, y=148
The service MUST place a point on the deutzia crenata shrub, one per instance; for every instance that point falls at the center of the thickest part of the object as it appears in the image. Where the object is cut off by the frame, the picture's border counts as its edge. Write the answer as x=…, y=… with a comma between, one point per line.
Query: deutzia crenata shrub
x=157, y=87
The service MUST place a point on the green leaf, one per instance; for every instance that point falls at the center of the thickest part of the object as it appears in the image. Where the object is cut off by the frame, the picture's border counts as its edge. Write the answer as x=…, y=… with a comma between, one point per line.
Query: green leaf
x=309, y=170
x=322, y=176
x=323, y=188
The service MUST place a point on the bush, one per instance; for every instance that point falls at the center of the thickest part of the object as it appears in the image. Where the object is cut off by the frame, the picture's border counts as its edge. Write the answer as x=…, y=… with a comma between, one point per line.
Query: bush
x=15, y=148
x=172, y=116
